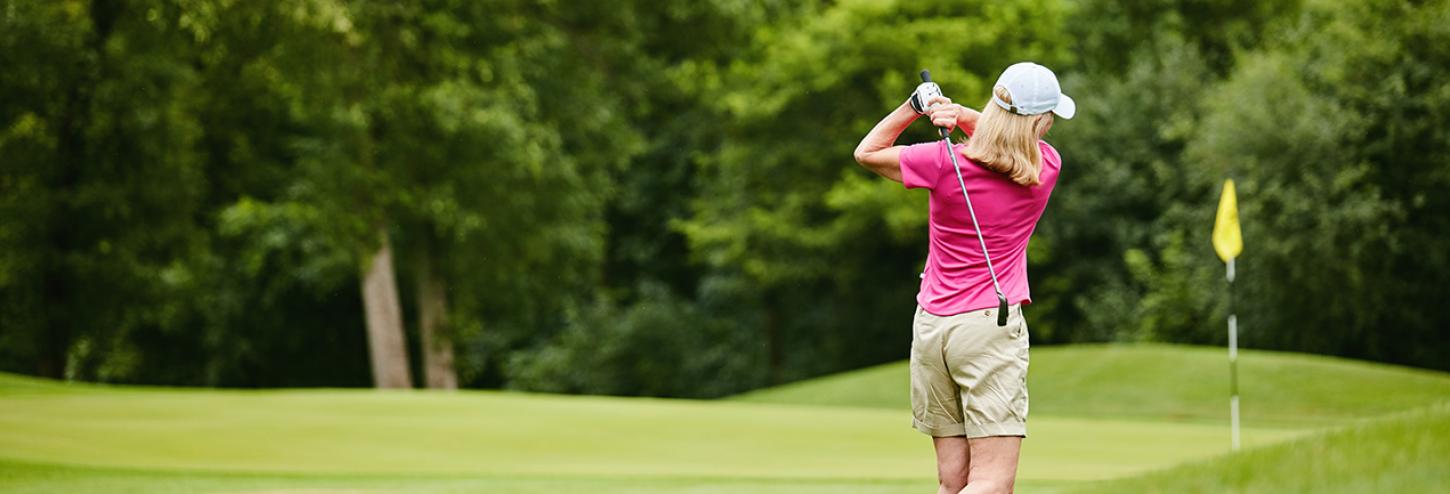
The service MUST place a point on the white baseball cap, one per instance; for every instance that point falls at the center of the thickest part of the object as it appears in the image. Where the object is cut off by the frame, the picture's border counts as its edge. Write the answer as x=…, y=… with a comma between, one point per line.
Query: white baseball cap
x=1034, y=91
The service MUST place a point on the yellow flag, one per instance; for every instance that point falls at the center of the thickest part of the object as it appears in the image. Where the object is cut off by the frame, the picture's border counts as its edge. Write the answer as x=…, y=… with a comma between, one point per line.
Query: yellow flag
x=1227, y=240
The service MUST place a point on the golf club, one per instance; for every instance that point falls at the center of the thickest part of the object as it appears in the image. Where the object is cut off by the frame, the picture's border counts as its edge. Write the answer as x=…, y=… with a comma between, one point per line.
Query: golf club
x=946, y=138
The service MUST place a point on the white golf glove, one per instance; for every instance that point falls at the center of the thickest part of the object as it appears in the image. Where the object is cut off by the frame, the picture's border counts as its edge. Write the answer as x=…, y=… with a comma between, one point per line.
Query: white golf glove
x=923, y=93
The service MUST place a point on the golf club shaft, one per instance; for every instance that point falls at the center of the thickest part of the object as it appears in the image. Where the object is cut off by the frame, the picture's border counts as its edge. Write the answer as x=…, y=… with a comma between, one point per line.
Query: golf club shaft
x=946, y=139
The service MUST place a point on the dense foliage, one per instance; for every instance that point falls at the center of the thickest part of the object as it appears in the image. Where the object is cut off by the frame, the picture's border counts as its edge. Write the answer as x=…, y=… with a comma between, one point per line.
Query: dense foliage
x=658, y=198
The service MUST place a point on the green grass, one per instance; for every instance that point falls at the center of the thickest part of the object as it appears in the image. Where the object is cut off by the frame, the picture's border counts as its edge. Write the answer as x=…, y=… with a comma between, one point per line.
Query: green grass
x=44, y=479
x=1404, y=453
x=336, y=432
x=81, y=438
x=1165, y=382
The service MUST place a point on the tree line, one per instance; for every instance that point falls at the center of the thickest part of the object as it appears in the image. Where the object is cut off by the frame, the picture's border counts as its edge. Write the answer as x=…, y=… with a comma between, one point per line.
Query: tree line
x=658, y=198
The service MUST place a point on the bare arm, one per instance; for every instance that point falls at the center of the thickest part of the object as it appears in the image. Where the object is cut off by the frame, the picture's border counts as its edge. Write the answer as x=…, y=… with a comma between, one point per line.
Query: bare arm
x=878, y=151
x=966, y=119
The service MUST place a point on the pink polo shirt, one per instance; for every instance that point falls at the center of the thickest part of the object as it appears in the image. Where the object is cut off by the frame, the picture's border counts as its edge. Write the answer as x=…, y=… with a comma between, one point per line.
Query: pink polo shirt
x=956, y=279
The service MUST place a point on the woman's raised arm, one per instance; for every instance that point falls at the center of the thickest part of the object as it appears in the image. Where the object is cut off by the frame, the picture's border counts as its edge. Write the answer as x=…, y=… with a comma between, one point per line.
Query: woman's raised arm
x=878, y=151
x=966, y=118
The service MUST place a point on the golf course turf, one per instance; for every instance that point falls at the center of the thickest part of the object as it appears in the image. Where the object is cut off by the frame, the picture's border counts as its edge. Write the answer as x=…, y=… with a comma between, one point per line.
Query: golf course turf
x=843, y=433
x=1407, y=452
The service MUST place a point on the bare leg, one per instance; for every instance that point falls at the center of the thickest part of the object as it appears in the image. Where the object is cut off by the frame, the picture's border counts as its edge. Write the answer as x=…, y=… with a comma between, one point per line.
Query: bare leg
x=952, y=461
x=993, y=467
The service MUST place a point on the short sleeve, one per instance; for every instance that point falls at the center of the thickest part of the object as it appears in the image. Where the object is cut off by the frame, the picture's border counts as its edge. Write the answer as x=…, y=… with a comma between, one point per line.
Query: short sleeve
x=1049, y=155
x=921, y=165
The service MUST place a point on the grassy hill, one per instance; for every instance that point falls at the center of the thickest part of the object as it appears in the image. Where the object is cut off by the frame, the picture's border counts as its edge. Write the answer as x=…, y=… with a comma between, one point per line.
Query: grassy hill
x=1407, y=452
x=82, y=438
x=1164, y=382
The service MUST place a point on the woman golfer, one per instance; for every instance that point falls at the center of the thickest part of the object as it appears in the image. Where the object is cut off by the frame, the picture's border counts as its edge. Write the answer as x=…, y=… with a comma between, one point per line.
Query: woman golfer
x=968, y=374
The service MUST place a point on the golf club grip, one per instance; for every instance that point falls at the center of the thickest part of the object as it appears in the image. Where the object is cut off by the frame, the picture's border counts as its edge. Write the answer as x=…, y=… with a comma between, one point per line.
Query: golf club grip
x=926, y=77
x=1001, y=310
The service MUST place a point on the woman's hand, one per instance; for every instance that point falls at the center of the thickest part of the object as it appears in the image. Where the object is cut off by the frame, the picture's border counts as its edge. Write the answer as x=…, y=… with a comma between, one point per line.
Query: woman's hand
x=943, y=112
x=948, y=115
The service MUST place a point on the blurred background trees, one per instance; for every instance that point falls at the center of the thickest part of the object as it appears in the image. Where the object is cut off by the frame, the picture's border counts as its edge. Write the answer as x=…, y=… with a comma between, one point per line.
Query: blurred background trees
x=658, y=198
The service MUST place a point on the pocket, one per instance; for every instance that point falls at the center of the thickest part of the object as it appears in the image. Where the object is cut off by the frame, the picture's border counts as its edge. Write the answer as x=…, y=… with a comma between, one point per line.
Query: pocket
x=917, y=331
x=1017, y=323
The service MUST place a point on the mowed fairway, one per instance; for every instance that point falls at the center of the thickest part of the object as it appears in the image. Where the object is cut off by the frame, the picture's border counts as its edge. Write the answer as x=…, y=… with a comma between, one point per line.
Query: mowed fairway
x=113, y=439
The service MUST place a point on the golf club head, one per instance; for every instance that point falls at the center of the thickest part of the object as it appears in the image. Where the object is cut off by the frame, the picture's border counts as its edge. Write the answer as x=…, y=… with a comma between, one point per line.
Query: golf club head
x=1001, y=310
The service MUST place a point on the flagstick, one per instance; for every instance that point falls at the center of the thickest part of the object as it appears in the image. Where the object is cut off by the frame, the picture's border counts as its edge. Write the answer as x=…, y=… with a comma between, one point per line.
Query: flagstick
x=1233, y=358
x=1228, y=242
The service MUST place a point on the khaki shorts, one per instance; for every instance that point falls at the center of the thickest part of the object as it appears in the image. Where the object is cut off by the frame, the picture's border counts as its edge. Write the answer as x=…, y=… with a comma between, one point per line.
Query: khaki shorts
x=969, y=375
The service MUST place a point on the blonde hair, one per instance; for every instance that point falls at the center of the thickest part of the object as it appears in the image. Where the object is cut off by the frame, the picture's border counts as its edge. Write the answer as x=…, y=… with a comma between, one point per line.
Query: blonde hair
x=1007, y=143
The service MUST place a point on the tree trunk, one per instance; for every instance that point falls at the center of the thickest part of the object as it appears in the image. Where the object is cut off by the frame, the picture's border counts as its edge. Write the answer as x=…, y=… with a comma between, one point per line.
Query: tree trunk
x=61, y=279
x=386, y=344
x=773, y=343
x=438, y=368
